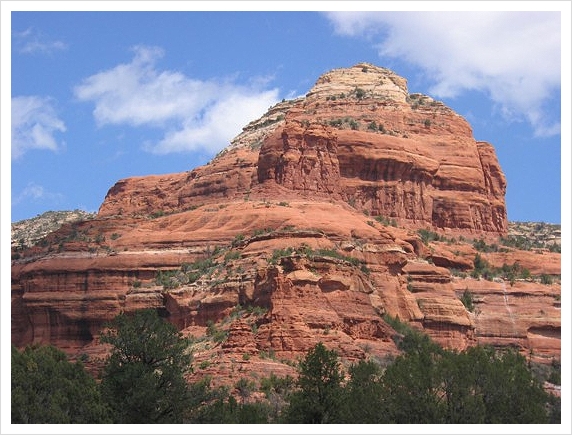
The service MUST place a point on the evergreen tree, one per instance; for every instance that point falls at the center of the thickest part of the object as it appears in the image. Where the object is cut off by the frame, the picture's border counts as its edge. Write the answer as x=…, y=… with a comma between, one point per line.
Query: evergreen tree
x=143, y=379
x=363, y=395
x=509, y=390
x=410, y=385
x=319, y=395
x=459, y=373
x=47, y=388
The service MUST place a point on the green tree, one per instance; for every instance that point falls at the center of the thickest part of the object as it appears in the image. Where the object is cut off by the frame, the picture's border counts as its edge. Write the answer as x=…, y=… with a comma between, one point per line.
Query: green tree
x=277, y=391
x=467, y=300
x=219, y=407
x=319, y=395
x=143, y=379
x=509, y=390
x=244, y=388
x=363, y=398
x=480, y=385
x=459, y=373
x=47, y=388
x=410, y=386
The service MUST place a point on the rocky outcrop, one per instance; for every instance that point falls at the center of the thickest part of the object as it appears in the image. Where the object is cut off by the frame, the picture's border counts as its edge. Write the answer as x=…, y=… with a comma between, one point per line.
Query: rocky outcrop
x=302, y=158
x=28, y=232
x=357, y=136
x=303, y=230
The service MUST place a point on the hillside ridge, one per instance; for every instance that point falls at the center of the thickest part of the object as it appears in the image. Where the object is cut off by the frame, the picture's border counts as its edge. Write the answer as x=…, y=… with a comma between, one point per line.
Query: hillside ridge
x=321, y=221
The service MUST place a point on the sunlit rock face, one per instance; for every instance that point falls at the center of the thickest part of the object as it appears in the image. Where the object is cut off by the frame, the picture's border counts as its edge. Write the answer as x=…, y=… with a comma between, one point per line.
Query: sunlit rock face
x=357, y=136
x=304, y=229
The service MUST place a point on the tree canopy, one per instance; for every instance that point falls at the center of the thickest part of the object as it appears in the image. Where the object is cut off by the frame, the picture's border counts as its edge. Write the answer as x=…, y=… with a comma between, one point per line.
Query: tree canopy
x=143, y=379
x=47, y=388
x=318, y=398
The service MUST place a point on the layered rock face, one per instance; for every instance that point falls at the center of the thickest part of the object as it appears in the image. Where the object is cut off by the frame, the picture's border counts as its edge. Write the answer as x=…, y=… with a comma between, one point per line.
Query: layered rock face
x=303, y=230
x=357, y=136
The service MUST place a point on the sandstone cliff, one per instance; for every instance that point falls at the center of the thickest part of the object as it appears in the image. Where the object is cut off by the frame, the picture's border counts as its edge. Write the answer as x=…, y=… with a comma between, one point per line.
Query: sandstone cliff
x=357, y=136
x=303, y=230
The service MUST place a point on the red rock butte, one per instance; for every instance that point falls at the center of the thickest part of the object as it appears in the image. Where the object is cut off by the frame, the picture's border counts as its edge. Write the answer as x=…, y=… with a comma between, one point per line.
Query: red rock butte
x=358, y=136
x=304, y=229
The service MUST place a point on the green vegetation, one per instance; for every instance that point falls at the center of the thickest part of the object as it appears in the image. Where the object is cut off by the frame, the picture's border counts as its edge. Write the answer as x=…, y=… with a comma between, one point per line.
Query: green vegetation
x=386, y=221
x=318, y=397
x=187, y=273
x=238, y=239
x=231, y=255
x=517, y=242
x=143, y=379
x=467, y=300
x=346, y=122
x=157, y=214
x=482, y=246
x=304, y=250
x=546, y=279
x=483, y=269
x=47, y=388
x=217, y=335
x=428, y=236
x=359, y=93
x=143, y=382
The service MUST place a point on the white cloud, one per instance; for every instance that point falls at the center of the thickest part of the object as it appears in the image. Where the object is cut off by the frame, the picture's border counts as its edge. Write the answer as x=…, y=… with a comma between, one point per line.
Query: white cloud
x=34, y=124
x=31, y=41
x=34, y=193
x=195, y=114
x=512, y=56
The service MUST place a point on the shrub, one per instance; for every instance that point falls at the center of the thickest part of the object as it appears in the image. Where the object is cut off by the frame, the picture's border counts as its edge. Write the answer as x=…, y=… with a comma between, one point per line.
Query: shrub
x=277, y=254
x=238, y=239
x=481, y=246
x=427, y=236
x=545, y=279
x=232, y=255
x=218, y=335
x=467, y=300
x=360, y=93
x=386, y=221
x=168, y=279
x=47, y=388
x=157, y=214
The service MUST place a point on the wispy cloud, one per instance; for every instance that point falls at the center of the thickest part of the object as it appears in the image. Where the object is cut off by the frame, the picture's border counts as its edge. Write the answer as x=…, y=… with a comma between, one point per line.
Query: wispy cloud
x=35, y=193
x=34, y=125
x=31, y=41
x=512, y=56
x=194, y=114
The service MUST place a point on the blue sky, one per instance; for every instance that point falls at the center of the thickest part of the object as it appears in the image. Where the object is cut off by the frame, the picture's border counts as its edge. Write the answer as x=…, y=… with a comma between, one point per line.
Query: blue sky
x=101, y=96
